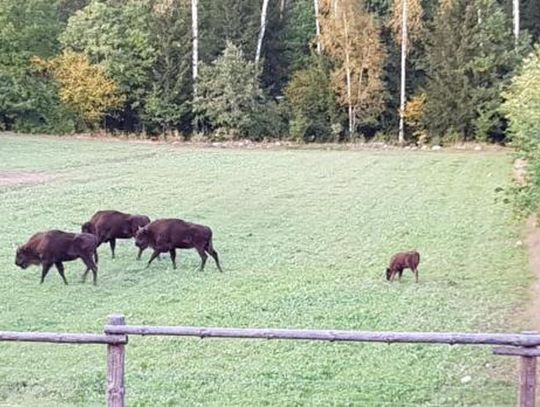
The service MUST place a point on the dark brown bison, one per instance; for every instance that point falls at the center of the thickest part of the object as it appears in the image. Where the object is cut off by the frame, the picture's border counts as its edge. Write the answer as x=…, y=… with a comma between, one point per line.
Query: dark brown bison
x=111, y=225
x=54, y=247
x=401, y=261
x=167, y=235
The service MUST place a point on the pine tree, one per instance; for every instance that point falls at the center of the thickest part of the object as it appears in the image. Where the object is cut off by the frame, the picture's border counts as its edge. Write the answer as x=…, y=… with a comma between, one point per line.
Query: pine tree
x=470, y=57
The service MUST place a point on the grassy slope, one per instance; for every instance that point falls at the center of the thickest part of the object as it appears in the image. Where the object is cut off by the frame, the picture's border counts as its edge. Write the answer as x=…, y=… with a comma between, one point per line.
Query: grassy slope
x=304, y=238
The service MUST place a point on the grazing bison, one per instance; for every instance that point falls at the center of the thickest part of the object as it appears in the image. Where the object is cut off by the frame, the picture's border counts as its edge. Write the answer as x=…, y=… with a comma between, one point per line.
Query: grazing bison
x=401, y=261
x=54, y=247
x=167, y=235
x=111, y=225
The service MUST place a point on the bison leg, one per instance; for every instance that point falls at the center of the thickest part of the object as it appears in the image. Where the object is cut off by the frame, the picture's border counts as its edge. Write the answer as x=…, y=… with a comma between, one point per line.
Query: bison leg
x=416, y=274
x=204, y=256
x=60, y=268
x=173, y=257
x=393, y=275
x=140, y=254
x=90, y=265
x=400, y=273
x=214, y=255
x=45, y=270
x=154, y=255
x=96, y=258
x=112, y=243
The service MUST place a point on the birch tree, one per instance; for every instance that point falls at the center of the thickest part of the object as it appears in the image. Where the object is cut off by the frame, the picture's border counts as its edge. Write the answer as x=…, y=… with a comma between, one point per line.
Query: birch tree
x=515, y=14
x=261, y=31
x=351, y=37
x=282, y=7
x=195, y=39
x=406, y=23
x=317, y=26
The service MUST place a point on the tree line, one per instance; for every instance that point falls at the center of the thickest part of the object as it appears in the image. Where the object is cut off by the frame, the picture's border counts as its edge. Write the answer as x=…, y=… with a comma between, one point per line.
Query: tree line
x=307, y=70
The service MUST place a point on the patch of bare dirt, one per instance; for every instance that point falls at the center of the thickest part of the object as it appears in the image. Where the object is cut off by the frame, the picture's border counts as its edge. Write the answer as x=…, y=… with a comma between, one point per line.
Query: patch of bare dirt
x=8, y=178
x=533, y=250
x=532, y=241
x=520, y=171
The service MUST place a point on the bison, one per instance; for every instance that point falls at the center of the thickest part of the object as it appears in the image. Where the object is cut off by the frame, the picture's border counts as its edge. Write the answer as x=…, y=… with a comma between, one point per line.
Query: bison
x=54, y=247
x=111, y=225
x=167, y=235
x=401, y=261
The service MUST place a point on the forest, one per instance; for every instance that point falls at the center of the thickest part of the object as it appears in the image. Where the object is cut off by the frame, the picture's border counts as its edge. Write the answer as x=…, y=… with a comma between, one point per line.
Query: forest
x=415, y=71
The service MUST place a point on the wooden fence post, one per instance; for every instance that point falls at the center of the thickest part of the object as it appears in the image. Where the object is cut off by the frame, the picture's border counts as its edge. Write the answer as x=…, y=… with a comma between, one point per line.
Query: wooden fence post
x=527, y=380
x=115, y=368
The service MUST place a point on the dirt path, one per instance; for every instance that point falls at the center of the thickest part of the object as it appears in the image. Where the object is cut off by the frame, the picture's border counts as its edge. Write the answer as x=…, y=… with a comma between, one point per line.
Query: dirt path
x=532, y=241
x=8, y=178
x=533, y=250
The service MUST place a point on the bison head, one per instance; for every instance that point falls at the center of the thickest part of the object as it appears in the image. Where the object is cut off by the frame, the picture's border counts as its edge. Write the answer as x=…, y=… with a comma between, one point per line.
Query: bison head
x=25, y=257
x=137, y=222
x=388, y=274
x=88, y=228
x=142, y=240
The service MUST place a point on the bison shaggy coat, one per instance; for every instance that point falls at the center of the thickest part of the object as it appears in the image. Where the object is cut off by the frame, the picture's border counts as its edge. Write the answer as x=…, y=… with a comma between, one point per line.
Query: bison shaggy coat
x=111, y=225
x=54, y=247
x=167, y=235
x=402, y=261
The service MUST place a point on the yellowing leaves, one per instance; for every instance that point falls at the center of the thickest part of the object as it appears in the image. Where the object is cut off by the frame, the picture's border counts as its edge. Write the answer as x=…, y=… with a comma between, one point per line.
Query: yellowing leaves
x=84, y=87
x=415, y=25
x=350, y=36
x=414, y=110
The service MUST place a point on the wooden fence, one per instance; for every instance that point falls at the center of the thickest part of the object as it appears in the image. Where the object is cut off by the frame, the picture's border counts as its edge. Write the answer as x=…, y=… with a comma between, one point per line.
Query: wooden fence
x=116, y=332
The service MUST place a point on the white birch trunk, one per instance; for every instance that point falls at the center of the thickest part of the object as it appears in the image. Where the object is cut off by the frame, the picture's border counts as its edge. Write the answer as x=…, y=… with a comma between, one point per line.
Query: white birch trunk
x=282, y=6
x=195, y=35
x=261, y=31
x=317, y=27
x=404, y=10
x=515, y=13
x=349, y=102
x=349, y=76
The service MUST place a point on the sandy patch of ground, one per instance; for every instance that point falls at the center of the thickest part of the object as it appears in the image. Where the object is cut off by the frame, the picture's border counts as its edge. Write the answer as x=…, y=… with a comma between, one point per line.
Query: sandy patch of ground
x=8, y=178
x=533, y=250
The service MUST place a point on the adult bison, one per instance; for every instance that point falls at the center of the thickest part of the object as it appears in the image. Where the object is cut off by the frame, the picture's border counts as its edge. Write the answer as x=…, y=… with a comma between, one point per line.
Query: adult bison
x=54, y=247
x=167, y=235
x=111, y=225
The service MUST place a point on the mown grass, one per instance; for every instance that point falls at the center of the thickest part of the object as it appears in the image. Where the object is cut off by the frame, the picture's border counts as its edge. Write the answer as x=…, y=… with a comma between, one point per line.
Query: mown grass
x=304, y=238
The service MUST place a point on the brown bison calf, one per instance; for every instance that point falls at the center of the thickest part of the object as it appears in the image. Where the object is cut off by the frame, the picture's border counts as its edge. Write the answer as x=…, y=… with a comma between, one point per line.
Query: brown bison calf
x=401, y=261
x=54, y=247
x=111, y=225
x=167, y=235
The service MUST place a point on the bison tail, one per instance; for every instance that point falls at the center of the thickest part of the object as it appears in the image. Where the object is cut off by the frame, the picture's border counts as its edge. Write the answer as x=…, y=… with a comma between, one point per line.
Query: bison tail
x=96, y=258
x=417, y=259
x=209, y=246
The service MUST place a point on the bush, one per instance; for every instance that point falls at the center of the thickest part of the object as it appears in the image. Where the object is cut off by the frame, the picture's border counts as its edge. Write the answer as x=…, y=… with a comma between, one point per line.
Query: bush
x=230, y=100
x=313, y=106
x=522, y=109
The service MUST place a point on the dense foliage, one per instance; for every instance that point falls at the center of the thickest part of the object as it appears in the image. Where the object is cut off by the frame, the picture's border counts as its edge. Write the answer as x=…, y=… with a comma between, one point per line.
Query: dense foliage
x=522, y=107
x=461, y=56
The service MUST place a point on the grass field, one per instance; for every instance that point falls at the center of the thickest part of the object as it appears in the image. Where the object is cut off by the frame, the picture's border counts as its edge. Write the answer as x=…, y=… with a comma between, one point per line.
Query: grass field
x=304, y=238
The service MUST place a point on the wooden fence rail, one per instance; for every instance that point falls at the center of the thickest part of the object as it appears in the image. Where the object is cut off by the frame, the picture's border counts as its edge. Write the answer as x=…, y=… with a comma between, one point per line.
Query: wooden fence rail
x=73, y=338
x=332, y=335
x=525, y=346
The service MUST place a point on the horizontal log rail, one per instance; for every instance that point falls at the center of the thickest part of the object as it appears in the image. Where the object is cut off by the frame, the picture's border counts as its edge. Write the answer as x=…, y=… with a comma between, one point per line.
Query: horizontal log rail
x=73, y=338
x=524, y=345
x=528, y=352
x=507, y=339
